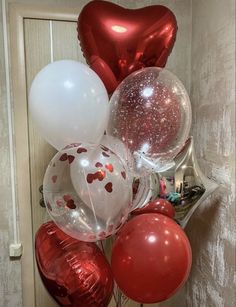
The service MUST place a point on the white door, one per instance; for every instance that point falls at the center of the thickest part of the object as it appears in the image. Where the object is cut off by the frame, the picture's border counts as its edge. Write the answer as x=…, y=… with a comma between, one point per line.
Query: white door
x=37, y=41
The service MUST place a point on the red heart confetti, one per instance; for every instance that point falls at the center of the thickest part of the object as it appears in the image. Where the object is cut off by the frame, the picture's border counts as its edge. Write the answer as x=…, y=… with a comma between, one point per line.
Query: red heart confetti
x=135, y=186
x=67, y=197
x=105, y=154
x=81, y=150
x=98, y=164
x=123, y=174
x=71, y=204
x=90, y=178
x=108, y=187
x=54, y=178
x=100, y=175
x=63, y=157
x=49, y=206
x=71, y=159
x=109, y=166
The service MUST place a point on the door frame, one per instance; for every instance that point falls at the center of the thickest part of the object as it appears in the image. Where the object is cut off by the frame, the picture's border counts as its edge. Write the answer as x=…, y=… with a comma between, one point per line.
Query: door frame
x=16, y=15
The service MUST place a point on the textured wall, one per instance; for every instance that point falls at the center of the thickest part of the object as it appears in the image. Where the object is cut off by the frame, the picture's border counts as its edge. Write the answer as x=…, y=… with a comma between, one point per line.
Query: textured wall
x=211, y=229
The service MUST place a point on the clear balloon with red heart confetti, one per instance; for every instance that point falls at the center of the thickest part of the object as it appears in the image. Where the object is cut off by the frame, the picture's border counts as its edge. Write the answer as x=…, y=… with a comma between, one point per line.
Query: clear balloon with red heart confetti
x=88, y=191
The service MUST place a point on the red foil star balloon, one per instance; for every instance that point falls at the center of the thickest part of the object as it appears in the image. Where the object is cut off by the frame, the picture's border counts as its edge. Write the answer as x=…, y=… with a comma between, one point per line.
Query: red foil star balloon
x=75, y=273
x=117, y=41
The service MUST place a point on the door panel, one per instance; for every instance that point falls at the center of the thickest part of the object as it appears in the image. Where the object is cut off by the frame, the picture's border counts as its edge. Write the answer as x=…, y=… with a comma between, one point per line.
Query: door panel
x=65, y=42
x=38, y=54
x=39, y=51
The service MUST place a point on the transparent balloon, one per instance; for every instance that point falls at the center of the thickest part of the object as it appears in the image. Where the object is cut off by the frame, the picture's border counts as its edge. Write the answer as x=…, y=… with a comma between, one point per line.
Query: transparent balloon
x=150, y=112
x=145, y=189
x=120, y=149
x=87, y=191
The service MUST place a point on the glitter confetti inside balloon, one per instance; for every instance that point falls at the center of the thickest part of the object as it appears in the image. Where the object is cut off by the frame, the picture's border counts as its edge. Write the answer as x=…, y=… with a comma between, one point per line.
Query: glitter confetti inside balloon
x=87, y=191
x=150, y=112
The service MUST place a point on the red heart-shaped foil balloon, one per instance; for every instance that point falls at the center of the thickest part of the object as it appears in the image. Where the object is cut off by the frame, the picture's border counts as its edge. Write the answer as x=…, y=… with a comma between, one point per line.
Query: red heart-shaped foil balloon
x=75, y=273
x=118, y=41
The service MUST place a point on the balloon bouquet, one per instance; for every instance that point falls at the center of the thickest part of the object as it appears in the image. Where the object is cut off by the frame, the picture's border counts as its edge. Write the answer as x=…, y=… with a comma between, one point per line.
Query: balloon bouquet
x=135, y=183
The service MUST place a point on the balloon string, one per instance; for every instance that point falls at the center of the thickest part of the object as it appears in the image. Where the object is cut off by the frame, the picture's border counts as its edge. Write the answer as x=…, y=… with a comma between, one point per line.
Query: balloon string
x=113, y=291
x=90, y=198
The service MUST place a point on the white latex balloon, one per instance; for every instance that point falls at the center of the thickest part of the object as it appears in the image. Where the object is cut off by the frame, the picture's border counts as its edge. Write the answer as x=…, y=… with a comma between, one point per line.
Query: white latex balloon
x=69, y=104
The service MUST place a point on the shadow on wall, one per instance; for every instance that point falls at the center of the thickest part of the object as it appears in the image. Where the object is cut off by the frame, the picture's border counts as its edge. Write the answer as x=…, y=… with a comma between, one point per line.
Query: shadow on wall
x=209, y=211
x=199, y=231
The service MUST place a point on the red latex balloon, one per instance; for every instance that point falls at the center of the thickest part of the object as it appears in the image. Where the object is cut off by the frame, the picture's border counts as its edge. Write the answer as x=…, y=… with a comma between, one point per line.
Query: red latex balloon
x=151, y=258
x=159, y=205
x=117, y=41
x=75, y=273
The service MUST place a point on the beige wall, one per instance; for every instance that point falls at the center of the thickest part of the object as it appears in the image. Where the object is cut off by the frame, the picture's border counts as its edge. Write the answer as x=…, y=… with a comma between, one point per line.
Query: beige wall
x=211, y=230
x=210, y=80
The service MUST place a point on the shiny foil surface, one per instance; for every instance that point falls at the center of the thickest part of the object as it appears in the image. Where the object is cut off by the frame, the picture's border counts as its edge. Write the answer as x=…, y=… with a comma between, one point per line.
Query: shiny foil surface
x=75, y=273
x=184, y=185
x=117, y=41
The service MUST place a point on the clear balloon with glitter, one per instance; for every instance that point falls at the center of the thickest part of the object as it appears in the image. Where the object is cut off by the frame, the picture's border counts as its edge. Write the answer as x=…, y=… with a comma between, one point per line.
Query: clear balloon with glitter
x=87, y=191
x=150, y=112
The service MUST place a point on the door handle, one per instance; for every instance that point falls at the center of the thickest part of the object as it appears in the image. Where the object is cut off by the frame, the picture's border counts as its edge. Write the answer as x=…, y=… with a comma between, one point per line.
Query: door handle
x=41, y=201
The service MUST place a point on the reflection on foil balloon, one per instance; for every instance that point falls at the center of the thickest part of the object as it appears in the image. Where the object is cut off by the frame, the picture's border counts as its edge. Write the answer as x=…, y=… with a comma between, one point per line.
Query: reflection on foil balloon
x=184, y=185
x=145, y=189
x=75, y=273
x=117, y=41
x=87, y=191
x=150, y=113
